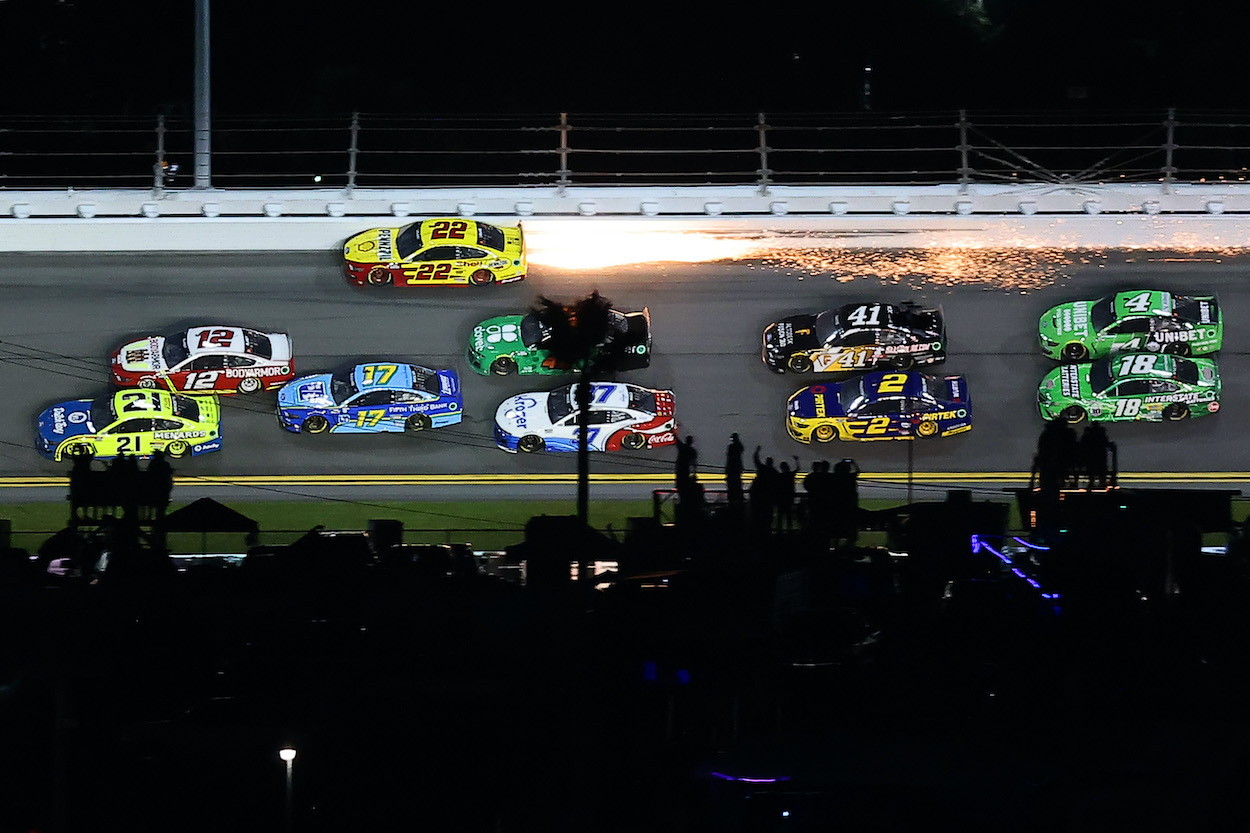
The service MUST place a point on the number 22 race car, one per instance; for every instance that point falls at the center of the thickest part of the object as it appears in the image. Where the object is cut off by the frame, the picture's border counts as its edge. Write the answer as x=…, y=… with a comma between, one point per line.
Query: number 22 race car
x=444, y=251
x=206, y=360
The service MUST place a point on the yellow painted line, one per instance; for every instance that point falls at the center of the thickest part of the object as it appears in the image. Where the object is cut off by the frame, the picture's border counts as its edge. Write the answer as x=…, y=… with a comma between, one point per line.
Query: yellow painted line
x=659, y=480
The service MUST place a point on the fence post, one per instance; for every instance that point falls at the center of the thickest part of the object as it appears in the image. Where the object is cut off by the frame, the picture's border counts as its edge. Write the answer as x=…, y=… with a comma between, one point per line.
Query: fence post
x=1169, y=146
x=765, y=173
x=158, y=170
x=965, y=172
x=352, y=150
x=563, y=178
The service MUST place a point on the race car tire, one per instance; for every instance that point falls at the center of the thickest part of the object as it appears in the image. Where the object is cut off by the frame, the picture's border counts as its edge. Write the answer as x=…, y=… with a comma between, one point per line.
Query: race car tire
x=379, y=276
x=80, y=450
x=416, y=423
x=1074, y=352
x=503, y=366
x=177, y=449
x=633, y=441
x=1073, y=415
x=529, y=444
x=926, y=429
x=249, y=384
x=315, y=424
x=901, y=362
x=1176, y=348
x=147, y=384
x=799, y=363
x=1176, y=412
x=824, y=433
x=482, y=277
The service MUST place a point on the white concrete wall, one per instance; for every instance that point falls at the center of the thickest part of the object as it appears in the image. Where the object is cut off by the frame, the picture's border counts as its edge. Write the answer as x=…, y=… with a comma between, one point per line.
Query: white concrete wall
x=1133, y=216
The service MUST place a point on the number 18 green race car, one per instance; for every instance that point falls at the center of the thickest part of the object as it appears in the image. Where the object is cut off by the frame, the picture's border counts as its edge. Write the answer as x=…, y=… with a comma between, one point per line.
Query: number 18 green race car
x=1131, y=386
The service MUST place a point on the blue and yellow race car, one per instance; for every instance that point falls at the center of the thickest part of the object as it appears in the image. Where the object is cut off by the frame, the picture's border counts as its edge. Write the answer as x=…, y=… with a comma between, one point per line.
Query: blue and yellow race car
x=371, y=398
x=880, y=406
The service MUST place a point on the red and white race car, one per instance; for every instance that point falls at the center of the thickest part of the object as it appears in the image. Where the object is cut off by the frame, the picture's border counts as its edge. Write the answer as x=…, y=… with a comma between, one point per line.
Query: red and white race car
x=212, y=359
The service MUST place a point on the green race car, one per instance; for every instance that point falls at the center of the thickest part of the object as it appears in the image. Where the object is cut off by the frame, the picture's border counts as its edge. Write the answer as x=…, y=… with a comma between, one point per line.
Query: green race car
x=1136, y=320
x=1131, y=386
x=517, y=344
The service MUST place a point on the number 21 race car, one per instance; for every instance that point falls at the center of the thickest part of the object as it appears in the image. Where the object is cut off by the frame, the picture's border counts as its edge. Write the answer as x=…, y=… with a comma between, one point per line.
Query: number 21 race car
x=206, y=360
x=856, y=337
x=132, y=422
x=444, y=251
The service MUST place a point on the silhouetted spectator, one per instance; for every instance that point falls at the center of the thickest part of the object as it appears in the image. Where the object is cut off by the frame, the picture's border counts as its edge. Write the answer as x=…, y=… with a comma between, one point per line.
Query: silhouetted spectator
x=1056, y=455
x=163, y=475
x=819, y=487
x=785, y=495
x=687, y=460
x=763, y=493
x=844, y=494
x=1094, y=447
x=733, y=472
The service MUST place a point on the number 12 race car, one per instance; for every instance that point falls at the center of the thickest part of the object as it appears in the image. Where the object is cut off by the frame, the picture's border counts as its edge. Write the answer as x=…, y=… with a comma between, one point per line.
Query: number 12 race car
x=880, y=406
x=133, y=422
x=445, y=251
x=622, y=416
x=206, y=360
x=856, y=337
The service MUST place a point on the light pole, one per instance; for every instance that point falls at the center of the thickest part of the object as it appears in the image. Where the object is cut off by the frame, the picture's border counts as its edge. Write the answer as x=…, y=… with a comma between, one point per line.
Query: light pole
x=287, y=754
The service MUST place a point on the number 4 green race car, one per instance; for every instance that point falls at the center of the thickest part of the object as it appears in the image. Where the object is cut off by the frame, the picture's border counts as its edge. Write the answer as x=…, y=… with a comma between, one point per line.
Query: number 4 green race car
x=1133, y=321
x=1131, y=386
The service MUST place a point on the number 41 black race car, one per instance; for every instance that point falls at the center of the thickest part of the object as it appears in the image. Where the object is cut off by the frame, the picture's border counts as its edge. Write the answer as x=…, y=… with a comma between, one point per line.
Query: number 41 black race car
x=856, y=337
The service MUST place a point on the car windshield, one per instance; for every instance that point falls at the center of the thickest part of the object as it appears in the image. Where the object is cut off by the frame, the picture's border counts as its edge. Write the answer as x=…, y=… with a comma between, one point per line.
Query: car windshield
x=257, y=344
x=559, y=403
x=489, y=236
x=1100, y=377
x=934, y=388
x=342, y=385
x=102, y=413
x=1186, y=371
x=827, y=325
x=1102, y=314
x=850, y=395
x=425, y=379
x=186, y=407
x=641, y=399
x=175, y=350
x=533, y=333
x=408, y=241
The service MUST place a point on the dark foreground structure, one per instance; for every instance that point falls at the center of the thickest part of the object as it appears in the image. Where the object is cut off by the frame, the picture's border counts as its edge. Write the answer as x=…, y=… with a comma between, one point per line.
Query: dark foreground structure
x=725, y=677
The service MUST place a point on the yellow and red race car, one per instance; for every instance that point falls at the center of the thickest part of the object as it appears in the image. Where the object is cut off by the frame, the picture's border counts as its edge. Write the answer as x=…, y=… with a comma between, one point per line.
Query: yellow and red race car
x=441, y=251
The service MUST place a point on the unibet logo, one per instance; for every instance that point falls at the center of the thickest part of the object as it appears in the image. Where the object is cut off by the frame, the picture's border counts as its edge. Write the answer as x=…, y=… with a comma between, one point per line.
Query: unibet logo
x=496, y=333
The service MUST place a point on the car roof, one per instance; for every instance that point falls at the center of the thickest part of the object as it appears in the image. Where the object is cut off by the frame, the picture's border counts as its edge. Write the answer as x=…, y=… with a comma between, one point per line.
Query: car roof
x=404, y=377
x=149, y=403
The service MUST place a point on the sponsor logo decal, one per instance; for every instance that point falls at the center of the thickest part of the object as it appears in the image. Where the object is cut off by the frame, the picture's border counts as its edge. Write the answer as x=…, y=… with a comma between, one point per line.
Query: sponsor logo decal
x=58, y=420
x=386, y=252
x=77, y=417
x=520, y=404
x=1069, y=381
x=213, y=446
x=242, y=372
x=1212, y=407
x=663, y=439
x=178, y=435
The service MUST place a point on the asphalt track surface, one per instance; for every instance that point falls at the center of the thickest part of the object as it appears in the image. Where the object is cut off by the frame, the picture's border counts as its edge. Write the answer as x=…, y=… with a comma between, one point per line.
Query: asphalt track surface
x=62, y=315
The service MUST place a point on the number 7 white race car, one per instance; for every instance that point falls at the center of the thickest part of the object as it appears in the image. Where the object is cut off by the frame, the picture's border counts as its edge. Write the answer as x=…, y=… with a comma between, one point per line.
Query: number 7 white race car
x=622, y=416
x=212, y=359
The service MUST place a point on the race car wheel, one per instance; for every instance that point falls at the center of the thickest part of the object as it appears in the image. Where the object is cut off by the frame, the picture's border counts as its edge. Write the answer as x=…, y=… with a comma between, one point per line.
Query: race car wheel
x=503, y=366
x=1073, y=414
x=416, y=422
x=926, y=429
x=177, y=449
x=799, y=363
x=482, y=277
x=315, y=424
x=1176, y=412
x=825, y=433
x=251, y=384
x=529, y=443
x=1177, y=349
x=1074, y=352
x=902, y=362
x=379, y=276
x=147, y=384
x=633, y=441
x=80, y=450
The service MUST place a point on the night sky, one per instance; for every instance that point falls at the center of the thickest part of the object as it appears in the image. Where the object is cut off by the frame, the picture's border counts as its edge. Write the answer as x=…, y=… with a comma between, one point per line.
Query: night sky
x=279, y=56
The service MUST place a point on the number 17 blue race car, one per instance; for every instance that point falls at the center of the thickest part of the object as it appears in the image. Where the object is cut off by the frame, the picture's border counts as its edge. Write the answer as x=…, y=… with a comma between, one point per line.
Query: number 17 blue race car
x=371, y=398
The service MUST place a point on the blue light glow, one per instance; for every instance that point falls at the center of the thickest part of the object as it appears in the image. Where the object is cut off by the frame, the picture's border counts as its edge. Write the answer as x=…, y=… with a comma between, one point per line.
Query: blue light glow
x=978, y=545
x=746, y=779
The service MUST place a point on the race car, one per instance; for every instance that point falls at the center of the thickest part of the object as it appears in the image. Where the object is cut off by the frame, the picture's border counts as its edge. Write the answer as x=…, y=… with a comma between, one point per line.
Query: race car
x=371, y=398
x=132, y=422
x=882, y=405
x=856, y=337
x=622, y=416
x=1131, y=386
x=212, y=359
x=443, y=251
x=1132, y=321
x=518, y=344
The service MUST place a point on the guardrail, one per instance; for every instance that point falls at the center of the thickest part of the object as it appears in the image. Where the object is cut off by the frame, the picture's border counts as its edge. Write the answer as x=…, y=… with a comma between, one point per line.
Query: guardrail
x=762, y=150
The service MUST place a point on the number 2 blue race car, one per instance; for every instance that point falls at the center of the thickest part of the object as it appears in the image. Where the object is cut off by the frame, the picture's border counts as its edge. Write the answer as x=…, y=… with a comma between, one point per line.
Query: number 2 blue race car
x=371, y=398
x=881, y=406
